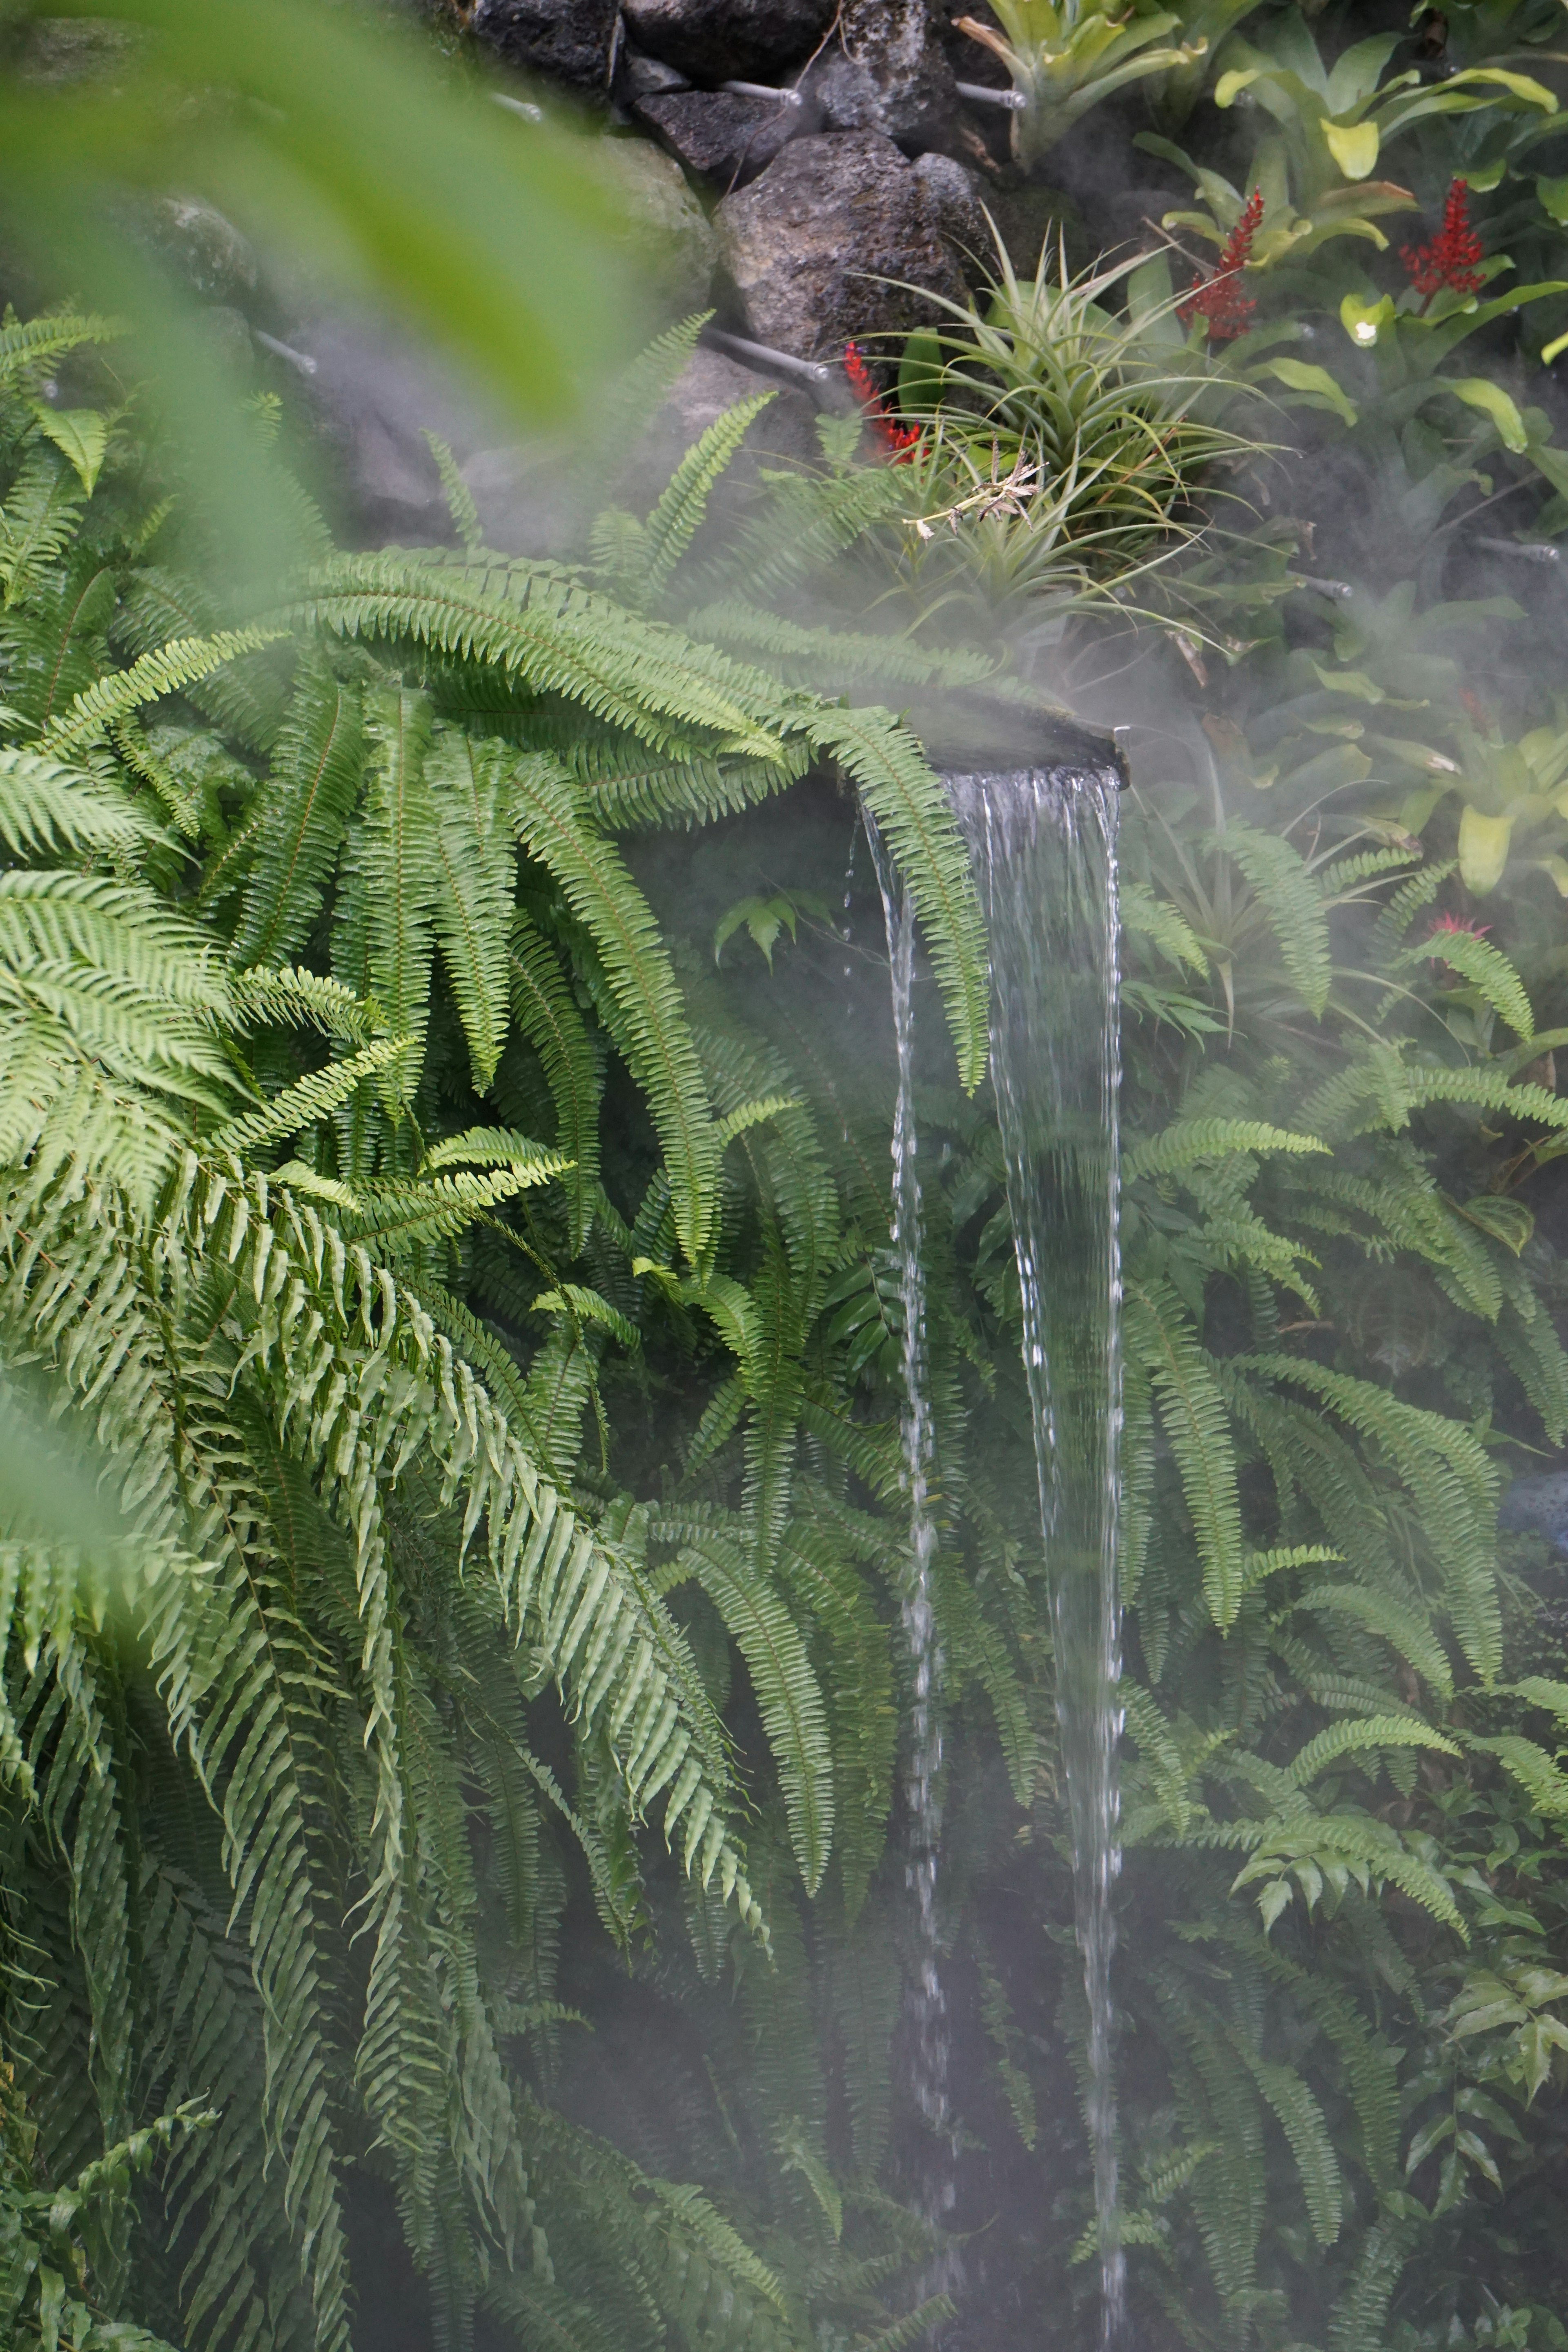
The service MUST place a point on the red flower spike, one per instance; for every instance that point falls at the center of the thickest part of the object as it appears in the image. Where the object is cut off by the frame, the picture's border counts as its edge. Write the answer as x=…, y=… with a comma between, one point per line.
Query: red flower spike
x=897, y=441
x=1450, y=261
x=1219, y=299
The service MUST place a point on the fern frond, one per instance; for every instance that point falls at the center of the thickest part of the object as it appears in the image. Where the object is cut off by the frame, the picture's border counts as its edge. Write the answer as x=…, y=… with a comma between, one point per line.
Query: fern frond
x=1189, y=1141
x=1403, y=1627
x=1453, y=1481
x=1301, y=2119
x=1150, y=918
x=477, y=867
x=546, y=1011
x=395, y=845
x=290, y=995
x=1192, y=1408
x=29, y=344
x=788, y=1692
x=308, y=1101
x=817, y=653
x=678, y=513
x=911, y=808
x=1490, y=972
x=314, y=781
x=459, y=498
x=634, y=673
x=169, y=670
x=46, y=806
x=1295, y=911
x=649, y=1018
x=38, y=521
x=1354, y=1738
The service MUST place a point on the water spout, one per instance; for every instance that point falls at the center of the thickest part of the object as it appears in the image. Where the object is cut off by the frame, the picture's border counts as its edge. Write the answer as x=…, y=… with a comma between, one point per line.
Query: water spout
x=1042, y=843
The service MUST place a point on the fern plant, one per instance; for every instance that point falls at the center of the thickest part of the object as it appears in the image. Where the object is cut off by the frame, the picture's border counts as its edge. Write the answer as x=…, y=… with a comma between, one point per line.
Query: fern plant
x=241, y=1728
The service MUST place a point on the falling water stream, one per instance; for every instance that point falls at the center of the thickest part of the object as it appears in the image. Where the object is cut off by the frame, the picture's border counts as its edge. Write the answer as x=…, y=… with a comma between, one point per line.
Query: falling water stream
x=923, y=1760
x=1042, y=842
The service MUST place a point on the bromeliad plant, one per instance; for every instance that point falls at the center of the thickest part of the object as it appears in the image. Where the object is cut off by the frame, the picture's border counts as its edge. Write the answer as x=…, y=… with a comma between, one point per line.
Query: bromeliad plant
x=1068, y=55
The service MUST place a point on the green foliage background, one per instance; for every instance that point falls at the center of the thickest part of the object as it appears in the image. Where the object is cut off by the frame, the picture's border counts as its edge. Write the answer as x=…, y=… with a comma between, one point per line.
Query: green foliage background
x=450, y=1698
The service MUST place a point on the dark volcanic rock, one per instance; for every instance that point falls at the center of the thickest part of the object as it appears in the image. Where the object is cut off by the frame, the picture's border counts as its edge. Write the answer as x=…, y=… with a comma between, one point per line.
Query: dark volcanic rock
x=719, y=40
x=664, y=229
x=571, y=40
x=712, y=131
x=890, y=74
x=209, y=251
x=951, y=195
x=639, y=77
x=808, y=243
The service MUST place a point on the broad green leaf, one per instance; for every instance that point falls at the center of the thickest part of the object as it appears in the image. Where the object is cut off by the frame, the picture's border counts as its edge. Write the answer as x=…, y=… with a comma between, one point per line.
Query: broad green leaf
x=1479, y=391
x=1301, y=375
x=1483, y=850
x=1353, y=146
x=1520, y=86
x=1364, y=321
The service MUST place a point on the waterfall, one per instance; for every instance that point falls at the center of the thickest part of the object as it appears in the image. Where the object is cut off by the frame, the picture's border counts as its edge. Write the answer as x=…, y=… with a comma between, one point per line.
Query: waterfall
x=1042, y=843
x=921, y=1790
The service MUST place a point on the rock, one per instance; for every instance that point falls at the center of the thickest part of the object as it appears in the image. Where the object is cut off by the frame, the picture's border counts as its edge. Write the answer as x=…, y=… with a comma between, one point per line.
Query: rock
x=710, y=384
x=954, y=204
x=639, y=77
x=712, y=131
x=529, y=498
x=572, y=41
x=1032, y=216
x=207, y=250
x=1540, y=1503
x=672, y=241
x=721, y=40
x=228, y=335
x=55, y=52
x=807, y=243
x=538, y=498
x=891, y=73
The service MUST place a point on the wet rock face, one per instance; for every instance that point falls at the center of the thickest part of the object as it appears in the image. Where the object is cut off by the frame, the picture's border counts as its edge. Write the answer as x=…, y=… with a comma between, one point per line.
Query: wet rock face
x=572, y=41
x=890, y=73
x=721, y=40
x=808, y=244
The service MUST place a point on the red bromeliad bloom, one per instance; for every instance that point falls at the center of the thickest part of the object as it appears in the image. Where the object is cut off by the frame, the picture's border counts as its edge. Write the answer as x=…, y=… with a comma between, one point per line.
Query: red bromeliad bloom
x=897, y=440
x=1450, y=260
x=1219, y=299
x=1449, y=927
x=1467, y=923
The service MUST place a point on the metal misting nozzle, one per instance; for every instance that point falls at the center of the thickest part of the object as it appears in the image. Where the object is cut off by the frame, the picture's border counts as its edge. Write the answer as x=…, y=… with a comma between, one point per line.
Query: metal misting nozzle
x=809, y=371
x=300, y=360
x=980, y=93
x=1528, y=550
x=1338, y=589
x=530, y=112
x=763, y=90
